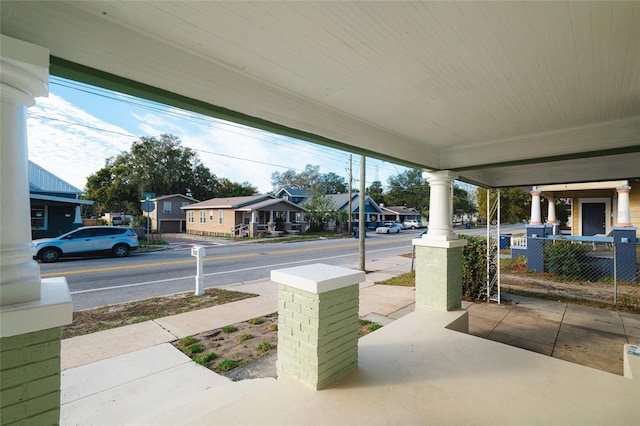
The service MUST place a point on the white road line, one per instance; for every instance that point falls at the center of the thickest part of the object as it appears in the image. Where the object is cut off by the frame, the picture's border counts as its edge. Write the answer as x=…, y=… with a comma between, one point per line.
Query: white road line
x=228, y=272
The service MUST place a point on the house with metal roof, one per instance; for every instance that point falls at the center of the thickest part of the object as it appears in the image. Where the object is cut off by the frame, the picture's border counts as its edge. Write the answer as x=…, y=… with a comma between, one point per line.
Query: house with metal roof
x=55, y=204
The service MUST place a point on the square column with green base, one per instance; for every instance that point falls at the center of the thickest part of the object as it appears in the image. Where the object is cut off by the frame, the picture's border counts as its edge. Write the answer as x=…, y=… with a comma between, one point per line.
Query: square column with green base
x=317, y=322
x=439, y=273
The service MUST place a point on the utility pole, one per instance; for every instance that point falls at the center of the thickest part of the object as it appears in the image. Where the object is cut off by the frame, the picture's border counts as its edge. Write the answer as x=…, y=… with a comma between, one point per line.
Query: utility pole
x=350, y=192
x=361, y=215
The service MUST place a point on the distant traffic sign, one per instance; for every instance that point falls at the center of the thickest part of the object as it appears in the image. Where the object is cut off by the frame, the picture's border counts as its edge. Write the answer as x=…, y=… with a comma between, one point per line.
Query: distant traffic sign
x=148, y=195
x=148, y=206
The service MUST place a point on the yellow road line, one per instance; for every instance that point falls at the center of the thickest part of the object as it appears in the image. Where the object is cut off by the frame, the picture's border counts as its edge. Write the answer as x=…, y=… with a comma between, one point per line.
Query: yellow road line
x=208, y=259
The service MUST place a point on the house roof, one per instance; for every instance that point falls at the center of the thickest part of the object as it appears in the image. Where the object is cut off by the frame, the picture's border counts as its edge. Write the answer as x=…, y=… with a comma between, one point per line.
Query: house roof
x=341, y=202
x=402, y=210
x=164, y=197
x=248, y=203
x=64, y=200
x=293, y=192
x=45, y=181
x=500, y=93
x=227, y=203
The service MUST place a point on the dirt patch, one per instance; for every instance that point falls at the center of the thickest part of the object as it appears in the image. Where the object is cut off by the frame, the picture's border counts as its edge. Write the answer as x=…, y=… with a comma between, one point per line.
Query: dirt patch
x=222, y=350
x=225, y=349
x=628, y=295
x=233, y=346
x=111, y=316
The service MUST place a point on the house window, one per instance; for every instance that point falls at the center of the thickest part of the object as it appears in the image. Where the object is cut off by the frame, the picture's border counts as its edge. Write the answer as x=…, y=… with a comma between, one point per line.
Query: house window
x=166, y=207
x=38, y=218
x=211, y=215
x=220, y=217
x=190, y=216
x=184, y=204
x=203, y=216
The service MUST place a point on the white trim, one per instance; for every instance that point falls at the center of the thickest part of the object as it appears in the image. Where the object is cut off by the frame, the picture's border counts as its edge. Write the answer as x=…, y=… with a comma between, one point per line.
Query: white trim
x=607, y=212
x=53, y=309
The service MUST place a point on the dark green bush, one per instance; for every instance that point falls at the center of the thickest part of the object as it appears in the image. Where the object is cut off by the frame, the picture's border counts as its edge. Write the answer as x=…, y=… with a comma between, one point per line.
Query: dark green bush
x=567, y=259
x=474, y=268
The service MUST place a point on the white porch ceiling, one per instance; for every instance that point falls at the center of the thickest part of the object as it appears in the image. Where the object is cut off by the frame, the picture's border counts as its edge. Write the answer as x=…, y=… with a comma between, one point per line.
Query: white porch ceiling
x=505, y=93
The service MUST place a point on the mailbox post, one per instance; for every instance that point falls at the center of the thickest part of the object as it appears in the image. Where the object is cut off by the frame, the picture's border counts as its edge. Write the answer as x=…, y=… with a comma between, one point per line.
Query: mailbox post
x=198, y=253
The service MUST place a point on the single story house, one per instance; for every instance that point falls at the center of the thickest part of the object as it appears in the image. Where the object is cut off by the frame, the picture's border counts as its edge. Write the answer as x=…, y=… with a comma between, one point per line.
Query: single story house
x=168, y=215
x=244, y=216
x=55, y=206
x=399, y=213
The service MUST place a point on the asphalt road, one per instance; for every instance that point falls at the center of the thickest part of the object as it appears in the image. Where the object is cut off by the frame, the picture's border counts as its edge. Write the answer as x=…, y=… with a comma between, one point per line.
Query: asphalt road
x=99, y=281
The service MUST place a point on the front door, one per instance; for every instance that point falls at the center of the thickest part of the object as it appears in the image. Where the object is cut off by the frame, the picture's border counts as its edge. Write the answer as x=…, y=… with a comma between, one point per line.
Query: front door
x=593, y=219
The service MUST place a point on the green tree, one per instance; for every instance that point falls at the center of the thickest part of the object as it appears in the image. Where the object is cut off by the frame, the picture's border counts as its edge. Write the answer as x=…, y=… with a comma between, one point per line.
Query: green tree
x=375, y=191
x=158, y=165
x=408, y=189
x=462, y=202
x=331, y=183
x=321, y=210
x=310, y=179
x=515, y=204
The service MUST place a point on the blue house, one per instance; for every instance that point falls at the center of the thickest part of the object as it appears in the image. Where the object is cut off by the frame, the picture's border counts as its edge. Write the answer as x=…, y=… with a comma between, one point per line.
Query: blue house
x=55, y=206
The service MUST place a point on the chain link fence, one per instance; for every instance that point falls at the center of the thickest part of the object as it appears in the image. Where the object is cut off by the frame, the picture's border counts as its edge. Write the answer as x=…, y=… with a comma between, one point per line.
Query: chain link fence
x=591, y=268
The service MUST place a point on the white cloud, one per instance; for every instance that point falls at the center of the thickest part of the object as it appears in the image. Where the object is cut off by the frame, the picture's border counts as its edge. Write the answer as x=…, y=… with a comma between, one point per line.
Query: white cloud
x=73, y=144
x=69, y=142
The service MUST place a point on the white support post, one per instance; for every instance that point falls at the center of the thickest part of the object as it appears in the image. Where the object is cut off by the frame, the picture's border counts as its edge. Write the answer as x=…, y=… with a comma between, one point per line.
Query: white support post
x=199, y=252
x=536, y=214
x=624, y=211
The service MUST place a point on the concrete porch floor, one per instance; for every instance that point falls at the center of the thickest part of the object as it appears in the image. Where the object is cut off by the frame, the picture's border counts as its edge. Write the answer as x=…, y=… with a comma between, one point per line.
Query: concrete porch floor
x=416, y=371
x=412, y=371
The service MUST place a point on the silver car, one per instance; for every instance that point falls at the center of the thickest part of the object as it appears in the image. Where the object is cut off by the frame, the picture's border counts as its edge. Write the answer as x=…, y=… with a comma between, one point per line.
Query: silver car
x=87, y=240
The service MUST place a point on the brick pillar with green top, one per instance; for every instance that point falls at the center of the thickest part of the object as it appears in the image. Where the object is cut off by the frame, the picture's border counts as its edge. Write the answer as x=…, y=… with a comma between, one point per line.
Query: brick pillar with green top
x=317, y=322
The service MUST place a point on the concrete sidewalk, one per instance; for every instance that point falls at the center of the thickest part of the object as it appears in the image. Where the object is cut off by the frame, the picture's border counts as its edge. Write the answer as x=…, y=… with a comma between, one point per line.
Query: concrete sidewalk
x=376, y=302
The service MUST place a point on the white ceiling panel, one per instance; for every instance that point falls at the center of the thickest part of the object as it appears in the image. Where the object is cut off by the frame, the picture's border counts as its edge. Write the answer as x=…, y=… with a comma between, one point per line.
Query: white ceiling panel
x=478, y=87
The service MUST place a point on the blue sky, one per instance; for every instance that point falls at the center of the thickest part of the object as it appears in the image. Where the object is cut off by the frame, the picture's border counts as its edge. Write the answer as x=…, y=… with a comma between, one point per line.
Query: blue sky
x=73, y=131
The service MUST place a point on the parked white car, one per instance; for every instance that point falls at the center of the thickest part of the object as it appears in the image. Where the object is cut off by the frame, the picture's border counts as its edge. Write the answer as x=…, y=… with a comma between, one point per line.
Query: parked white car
x=86, y=240
x=413, y=224
x=388, y=229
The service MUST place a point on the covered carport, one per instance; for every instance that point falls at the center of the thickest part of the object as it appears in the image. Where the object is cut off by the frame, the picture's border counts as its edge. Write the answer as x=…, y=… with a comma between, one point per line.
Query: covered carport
x=496, y=94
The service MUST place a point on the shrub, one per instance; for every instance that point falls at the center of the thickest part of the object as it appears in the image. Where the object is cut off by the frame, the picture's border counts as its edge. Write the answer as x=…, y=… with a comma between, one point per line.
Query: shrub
x=474, y=268
x=568, y=259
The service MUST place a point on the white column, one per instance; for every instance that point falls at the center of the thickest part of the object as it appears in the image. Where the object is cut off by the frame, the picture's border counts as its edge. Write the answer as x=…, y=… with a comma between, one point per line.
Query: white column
x=440, y=205
x=25, y=76
x=551, y=216
x=78, y=217
x=624, y=212
x=536, y=215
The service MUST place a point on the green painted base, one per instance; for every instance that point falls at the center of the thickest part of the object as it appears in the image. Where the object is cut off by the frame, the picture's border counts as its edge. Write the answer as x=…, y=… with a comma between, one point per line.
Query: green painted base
x=439, y=277
x=30, y=378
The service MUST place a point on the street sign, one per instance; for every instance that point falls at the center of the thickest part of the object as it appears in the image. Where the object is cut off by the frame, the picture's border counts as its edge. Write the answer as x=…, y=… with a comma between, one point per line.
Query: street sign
x=148, y=206
x=148, y=195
